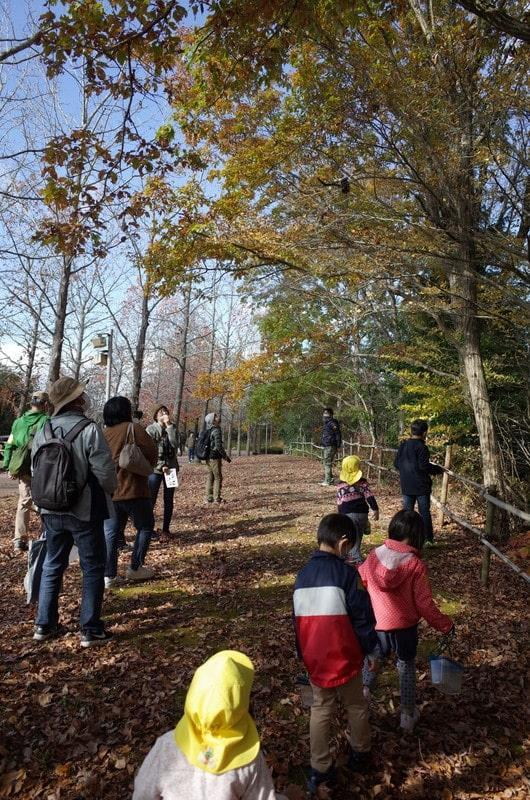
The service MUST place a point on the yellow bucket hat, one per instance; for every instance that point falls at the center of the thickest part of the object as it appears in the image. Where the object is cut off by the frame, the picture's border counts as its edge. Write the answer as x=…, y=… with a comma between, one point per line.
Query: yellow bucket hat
x=350, y=471
x=217, y=732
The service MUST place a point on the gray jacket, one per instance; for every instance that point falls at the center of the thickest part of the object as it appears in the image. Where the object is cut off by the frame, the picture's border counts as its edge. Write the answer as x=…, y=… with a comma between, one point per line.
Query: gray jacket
x=89, y=449
x=163, y=436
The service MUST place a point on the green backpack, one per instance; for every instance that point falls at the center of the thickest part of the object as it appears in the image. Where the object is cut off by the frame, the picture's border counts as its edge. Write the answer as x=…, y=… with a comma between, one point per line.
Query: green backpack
x=20, y=462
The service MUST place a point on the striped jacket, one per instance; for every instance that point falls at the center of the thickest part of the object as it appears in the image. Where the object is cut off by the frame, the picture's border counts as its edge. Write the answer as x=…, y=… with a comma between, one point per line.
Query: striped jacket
x=334, y=621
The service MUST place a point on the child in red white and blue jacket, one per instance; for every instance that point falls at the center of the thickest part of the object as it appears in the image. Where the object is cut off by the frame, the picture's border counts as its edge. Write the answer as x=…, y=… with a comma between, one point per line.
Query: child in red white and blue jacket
x=334, y=625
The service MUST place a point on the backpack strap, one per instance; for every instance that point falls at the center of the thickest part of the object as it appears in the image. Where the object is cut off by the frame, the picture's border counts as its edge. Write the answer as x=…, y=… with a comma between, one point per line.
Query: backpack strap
x=76, y=430
x=48, y=431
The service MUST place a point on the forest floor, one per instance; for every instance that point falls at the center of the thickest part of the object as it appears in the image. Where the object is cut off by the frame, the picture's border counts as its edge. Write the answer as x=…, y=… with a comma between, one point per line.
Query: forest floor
x=77, y=724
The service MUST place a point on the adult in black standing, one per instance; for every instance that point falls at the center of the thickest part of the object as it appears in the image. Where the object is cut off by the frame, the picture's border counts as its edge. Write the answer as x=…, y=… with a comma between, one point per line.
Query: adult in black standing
x=415, y=470
x=331, y=441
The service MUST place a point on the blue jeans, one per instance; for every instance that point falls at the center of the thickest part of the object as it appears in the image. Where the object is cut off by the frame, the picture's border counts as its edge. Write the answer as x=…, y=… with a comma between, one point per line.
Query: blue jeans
x=191, y=454
x=62, y=532
x=424, y=507
x=154, y=487
x=141, y=513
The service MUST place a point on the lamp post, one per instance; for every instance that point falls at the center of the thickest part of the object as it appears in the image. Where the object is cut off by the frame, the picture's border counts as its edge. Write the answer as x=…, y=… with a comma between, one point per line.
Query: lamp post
x=102, y=343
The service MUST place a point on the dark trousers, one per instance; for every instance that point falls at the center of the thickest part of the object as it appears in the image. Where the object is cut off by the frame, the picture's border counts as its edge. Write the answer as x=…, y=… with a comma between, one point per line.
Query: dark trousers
x=62, y=532
x=154, y=487
x=424, y=507
x=141, y=513
x=191, y=454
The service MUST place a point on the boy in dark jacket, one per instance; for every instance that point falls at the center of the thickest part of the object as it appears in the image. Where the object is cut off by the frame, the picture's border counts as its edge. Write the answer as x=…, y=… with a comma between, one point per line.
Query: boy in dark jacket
x=415, y=470
x=334, y=625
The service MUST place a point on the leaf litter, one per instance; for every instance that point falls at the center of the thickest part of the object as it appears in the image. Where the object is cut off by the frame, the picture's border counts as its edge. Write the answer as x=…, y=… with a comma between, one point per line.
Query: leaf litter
x=77, y=724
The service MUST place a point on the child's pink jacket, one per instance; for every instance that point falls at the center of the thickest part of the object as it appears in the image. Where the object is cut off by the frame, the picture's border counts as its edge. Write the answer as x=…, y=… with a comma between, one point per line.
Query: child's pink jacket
x=396, y=579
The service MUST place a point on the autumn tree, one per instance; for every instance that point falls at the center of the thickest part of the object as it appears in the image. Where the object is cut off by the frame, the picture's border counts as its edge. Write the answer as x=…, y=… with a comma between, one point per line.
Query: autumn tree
x=390, y=148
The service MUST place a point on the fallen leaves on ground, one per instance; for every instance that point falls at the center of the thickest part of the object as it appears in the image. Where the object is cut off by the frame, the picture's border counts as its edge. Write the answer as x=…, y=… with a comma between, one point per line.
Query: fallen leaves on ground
x=77, y=724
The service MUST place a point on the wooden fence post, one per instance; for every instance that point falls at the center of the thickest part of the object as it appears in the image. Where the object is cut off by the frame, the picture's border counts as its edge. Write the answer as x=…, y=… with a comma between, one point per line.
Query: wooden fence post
x=445, y=485
x=370, y=458
x=379, y=459
x=488, y=530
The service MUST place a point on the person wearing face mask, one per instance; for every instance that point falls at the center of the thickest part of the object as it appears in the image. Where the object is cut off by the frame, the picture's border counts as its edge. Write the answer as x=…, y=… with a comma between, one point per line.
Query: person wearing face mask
x=331, y=441
x=81, y=523
x=163, y=433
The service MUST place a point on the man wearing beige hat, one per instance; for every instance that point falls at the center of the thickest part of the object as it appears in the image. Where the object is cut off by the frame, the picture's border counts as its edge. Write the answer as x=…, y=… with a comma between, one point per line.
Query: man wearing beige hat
x=17, y=460
x=82, y=522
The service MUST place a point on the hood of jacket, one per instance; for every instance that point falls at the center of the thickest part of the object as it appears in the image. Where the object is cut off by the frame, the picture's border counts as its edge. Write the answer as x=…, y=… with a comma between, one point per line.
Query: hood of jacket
x=23, y=425
x=209, y=418
x=217, y=733
x=390, y=564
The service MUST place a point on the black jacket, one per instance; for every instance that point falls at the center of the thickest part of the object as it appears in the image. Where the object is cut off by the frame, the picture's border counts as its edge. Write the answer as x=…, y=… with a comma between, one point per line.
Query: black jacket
x=331, y=435
x=415, y=470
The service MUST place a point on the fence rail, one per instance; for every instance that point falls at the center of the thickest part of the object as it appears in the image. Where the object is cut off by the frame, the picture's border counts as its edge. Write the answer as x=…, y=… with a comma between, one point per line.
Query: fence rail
x=488, y=493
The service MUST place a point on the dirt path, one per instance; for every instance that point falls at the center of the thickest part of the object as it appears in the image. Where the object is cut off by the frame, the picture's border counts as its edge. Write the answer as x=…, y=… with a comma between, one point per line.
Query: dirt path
x=76, y=724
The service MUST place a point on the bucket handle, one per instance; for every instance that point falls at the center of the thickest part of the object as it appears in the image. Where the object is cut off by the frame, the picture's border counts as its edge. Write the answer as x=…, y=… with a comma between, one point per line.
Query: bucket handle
x=445, y=644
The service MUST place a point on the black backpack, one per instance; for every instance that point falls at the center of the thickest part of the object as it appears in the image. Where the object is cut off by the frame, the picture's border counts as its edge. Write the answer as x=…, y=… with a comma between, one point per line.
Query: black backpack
x=202, y=448
x=53, y=482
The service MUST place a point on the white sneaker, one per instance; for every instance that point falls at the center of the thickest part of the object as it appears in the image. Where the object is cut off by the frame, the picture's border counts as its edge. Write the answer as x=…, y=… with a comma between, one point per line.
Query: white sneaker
x=140, y=574
x=110, y=582
x=408, y=721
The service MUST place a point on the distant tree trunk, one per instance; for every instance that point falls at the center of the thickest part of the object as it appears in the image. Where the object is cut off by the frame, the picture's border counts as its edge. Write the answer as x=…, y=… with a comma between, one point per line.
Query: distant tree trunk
x=227, y=345
x=138, y=363
x=212, y=346
x=78, y=360
x=239, y=431
x=60, y=321
x=229, y=438
x=182, y=364
x=32, y=350
x=249, y=438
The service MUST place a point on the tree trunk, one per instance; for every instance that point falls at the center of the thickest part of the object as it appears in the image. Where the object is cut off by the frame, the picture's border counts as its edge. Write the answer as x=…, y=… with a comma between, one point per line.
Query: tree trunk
x=212, y=347
x=182, y=366
x=249, y=438
x=239, y=432
x=229, y=438
x=464, y=287
x=60, y=320
x=79, y=347
x=138, y=364
x=32, y=350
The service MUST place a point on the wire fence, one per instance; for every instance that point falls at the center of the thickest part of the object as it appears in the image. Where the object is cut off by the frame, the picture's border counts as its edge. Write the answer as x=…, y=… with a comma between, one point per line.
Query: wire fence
x=374, y=462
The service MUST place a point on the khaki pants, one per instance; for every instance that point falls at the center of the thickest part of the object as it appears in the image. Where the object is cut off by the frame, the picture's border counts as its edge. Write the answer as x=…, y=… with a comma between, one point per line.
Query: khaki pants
x=214, y=484
x=23, y=508
x=328, y=458
x=352, y=698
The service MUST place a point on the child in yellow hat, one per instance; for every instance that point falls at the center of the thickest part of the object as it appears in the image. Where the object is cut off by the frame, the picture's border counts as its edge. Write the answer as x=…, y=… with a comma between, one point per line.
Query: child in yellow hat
x=214, y=752
x=355, y=499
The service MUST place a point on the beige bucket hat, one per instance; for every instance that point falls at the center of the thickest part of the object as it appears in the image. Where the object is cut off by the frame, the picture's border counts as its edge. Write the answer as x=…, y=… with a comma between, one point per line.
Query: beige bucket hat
x=63, y=391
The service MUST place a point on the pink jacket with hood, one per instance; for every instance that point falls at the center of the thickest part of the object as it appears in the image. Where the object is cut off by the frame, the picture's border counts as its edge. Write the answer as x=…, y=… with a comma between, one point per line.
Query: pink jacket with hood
x=396, y=579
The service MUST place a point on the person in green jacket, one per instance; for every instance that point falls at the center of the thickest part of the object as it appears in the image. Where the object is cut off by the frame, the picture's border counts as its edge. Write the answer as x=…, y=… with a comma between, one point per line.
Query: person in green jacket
x=17, y=460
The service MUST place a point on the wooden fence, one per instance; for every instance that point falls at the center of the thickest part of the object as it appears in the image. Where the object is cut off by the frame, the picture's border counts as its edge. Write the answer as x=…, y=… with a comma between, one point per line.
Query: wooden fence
x=374, y=461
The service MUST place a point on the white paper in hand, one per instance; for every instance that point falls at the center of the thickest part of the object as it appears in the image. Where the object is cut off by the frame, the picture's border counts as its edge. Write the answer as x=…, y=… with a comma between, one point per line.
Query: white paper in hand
x=171, y=479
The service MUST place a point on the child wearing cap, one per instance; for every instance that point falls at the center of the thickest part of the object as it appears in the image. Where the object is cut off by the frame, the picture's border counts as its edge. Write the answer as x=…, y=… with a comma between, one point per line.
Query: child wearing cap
x=214, y=751
x=355, y=499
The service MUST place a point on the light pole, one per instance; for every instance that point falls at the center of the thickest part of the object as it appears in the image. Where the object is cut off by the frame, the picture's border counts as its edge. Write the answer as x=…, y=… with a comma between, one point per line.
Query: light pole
x=102, y=343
